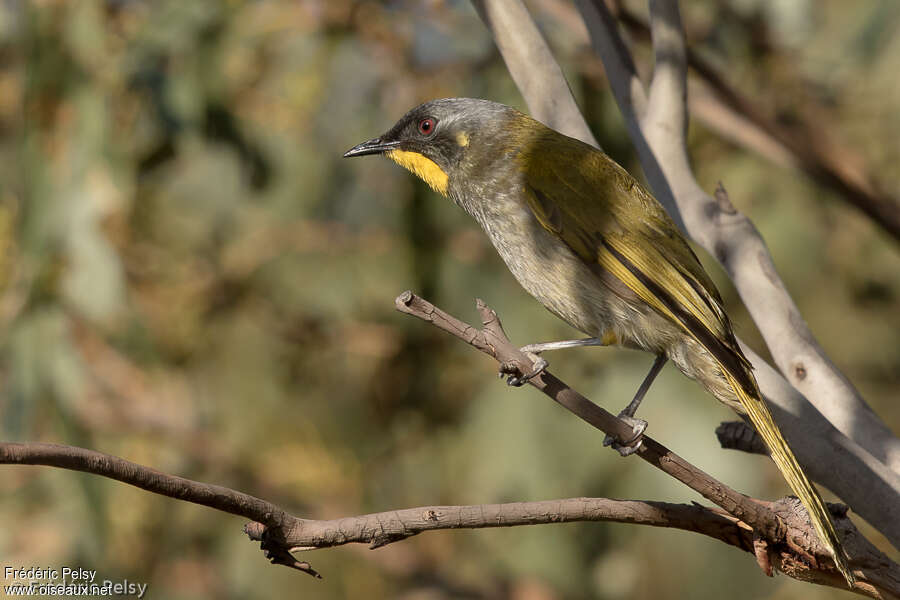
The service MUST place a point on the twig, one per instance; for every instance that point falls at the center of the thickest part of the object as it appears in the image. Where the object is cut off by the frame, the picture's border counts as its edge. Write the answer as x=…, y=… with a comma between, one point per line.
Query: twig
x=113, y=467
x=492, y=340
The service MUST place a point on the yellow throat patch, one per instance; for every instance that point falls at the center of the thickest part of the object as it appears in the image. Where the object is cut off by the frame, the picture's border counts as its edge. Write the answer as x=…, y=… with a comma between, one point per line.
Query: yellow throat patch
x=425, y=168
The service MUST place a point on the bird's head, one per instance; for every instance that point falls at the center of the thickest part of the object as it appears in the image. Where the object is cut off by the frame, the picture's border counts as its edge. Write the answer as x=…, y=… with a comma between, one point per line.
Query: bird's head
x=433, y=139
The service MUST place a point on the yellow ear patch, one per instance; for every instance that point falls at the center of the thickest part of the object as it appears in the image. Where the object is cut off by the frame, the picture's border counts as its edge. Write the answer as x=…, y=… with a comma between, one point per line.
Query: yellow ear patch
x=425, y=168
x=462, y=138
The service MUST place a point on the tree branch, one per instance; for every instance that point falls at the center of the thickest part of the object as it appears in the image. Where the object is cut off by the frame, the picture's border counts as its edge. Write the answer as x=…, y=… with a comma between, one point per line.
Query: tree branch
x=812, y=150
x=113, y=467
x=380, y=529
x=548, y=93
x=492, y=340
x=729, y=236
x=737, y=435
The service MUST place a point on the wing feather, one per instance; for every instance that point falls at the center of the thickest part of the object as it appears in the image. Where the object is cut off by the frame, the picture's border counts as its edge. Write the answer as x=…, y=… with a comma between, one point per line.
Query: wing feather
x=608, y=219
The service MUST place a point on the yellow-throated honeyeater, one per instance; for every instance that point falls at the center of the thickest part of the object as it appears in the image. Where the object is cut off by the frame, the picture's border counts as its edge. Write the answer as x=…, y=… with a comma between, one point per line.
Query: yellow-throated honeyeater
x=594, y=247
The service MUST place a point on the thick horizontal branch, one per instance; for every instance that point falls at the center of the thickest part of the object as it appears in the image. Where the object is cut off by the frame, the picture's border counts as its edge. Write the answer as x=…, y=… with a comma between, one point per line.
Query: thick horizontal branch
x=379, y=529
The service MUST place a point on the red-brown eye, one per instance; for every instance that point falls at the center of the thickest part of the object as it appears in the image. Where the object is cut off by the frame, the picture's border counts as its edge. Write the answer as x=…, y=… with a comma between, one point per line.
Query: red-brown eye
x=426, y=126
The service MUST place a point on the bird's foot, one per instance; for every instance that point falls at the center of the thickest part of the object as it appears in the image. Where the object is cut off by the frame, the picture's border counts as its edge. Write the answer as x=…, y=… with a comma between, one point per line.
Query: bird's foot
x=629, y=447
x=515, y=377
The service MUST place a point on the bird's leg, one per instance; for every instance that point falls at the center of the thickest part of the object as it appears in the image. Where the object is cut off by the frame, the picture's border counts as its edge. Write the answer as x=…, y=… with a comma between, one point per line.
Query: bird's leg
x=638, y=425
x=544, y=346
x=538, y=364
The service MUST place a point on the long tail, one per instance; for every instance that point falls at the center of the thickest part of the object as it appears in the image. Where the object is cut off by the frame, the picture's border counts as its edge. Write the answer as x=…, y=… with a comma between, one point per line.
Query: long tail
x=784, y=458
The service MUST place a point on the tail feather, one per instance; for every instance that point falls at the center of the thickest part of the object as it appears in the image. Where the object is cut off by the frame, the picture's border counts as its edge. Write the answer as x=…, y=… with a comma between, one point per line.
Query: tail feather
x=792, y=472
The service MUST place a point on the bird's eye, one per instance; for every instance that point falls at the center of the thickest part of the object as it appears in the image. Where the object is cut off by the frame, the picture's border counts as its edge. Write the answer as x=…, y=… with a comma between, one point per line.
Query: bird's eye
x=426, y=126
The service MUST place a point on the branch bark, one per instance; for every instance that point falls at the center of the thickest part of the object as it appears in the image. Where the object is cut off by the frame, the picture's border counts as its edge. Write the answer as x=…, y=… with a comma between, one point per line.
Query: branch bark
x=811, y=149
x=656, y=122
x=548, y=92
x=380, y=529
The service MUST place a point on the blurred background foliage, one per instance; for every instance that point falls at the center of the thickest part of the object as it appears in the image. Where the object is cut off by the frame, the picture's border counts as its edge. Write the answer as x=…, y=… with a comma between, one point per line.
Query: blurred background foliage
x=193, y=279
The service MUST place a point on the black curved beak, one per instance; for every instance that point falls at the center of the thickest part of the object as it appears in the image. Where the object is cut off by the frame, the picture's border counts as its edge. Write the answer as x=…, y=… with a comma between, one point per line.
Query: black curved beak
x=373, y=146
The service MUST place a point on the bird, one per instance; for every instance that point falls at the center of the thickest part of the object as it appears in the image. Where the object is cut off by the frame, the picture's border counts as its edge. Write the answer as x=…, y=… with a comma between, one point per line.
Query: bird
x=590, y=243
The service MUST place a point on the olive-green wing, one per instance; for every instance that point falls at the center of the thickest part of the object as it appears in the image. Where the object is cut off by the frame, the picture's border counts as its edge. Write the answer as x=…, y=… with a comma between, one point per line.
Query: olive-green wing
x=608, y=219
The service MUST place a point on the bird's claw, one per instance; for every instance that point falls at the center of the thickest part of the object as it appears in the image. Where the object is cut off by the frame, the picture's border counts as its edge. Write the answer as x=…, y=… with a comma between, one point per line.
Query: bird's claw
x=629, y=447
x=515, y=377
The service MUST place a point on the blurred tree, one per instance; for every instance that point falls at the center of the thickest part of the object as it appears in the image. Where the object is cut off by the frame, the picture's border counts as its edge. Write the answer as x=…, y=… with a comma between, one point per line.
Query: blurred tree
x=192, y=278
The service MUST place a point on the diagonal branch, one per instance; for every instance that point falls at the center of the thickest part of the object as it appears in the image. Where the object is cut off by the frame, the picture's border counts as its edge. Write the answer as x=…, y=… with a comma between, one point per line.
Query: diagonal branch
x=548, y=93
x=824, y=162
x=736, y=243
x=492, y=340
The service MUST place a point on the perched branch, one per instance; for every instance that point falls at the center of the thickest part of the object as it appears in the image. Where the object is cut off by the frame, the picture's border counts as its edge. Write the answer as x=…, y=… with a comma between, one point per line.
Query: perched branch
x=866, y=483
x=492, y=340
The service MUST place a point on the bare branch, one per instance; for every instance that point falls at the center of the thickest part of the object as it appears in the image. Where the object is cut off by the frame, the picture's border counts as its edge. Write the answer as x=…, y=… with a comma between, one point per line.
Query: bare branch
x=526, y=54
x=492, y=340
x=380, y=529
x=113, y=467
x=811, y=149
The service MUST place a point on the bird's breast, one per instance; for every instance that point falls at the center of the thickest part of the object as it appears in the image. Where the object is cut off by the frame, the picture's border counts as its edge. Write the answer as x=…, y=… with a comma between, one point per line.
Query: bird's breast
x=546, y=267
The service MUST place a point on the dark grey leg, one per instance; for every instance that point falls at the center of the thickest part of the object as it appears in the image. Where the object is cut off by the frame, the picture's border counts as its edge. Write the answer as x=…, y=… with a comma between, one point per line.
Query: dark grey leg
x=627, y=414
